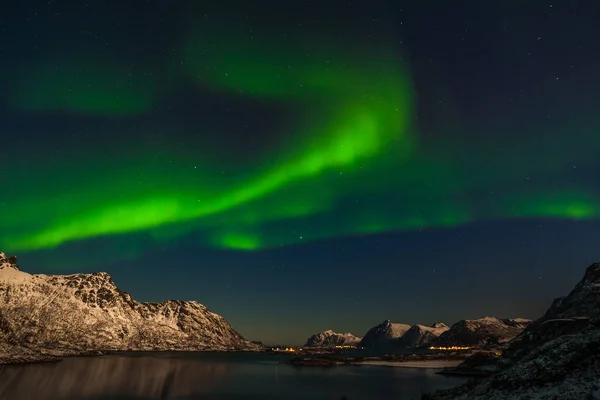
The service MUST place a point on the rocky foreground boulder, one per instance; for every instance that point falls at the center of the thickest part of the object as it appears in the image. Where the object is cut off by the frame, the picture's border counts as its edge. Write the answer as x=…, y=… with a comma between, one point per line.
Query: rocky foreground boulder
x=557, y=357
x=82, y=313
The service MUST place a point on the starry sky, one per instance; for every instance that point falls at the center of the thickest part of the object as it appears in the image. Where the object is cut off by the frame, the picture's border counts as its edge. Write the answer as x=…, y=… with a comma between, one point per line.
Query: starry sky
x=306, y=165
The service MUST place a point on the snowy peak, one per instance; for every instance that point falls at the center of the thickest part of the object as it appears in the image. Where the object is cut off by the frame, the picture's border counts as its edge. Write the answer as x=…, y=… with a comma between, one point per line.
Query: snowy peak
x=8, y=262
x=421, y=335
x=383, y=334
x=394, y=330
x=330, y=338
x=437, y=328
x=486, y=331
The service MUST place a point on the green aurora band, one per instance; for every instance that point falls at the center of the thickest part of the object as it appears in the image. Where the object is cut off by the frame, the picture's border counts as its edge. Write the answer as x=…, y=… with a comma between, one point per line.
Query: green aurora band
x=358, y=127
x=352, y=165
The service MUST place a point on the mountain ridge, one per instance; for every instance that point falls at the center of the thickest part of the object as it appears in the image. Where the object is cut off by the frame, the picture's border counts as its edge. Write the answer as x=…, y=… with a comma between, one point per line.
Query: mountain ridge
x=101, y=317
x=482, y=332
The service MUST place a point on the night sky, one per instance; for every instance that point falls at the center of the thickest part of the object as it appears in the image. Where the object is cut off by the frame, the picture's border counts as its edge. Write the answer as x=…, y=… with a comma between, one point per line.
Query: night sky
x=299, y=166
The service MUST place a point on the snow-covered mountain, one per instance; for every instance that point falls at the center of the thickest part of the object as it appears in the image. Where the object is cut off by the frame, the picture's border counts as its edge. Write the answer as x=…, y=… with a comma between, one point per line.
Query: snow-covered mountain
x=556, y=357
x=383, y=334
x=330, y=338
x=487, y=331
x=88, y=312
x=421, y=335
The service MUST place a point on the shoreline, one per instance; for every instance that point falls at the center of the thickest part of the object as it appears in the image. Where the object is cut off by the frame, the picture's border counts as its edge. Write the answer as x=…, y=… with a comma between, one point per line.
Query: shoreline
x=446, y=364
x=429, y=361
x=45, y=357
x=17, y=361
x=424, y=364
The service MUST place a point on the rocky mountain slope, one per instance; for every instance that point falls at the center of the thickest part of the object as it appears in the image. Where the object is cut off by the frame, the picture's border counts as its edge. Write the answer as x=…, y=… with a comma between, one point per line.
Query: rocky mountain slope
x=383, y=334
x=421, y=335
x=482, y=332
x=88, y=312
x=557, y=357
x=330, y=338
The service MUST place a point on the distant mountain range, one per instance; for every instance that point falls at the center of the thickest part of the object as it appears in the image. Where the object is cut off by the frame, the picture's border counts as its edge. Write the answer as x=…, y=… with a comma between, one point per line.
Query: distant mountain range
x=483, y=332
x=556, y=357
x=65, y=314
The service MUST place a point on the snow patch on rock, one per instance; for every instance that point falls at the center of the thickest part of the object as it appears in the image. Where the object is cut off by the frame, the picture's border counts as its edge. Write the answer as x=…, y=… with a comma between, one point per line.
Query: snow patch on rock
x=383, y=334
x=422, y=335
x=486, y=331
x=330, y=338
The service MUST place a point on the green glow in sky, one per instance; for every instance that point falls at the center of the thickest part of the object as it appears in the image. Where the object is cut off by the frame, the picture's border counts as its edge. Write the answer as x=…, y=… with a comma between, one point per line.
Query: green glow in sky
x=368, y=111
x=352, y=161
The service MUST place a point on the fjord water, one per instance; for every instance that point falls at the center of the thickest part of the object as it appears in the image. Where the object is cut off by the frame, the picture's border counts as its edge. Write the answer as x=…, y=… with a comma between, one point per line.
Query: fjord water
x=211, y=376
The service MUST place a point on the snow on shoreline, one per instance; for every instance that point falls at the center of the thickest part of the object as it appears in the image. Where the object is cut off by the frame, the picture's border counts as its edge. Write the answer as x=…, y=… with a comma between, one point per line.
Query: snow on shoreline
x=431, y=364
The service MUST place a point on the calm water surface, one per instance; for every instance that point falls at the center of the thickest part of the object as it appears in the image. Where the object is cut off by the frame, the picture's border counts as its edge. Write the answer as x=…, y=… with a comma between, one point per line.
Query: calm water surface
x=211, y=376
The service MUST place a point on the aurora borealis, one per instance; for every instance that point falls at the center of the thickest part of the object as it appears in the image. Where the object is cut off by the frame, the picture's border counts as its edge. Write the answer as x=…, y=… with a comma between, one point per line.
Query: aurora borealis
x=225, y=132
x=366, y=113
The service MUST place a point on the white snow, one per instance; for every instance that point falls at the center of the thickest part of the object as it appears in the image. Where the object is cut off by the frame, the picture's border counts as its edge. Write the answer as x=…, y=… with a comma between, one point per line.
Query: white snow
x=433, y=364
x=11, y=275
x=330, y=338
x=397, y=330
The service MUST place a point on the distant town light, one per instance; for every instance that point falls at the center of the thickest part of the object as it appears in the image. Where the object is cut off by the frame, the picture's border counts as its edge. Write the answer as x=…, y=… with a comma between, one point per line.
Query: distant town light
x=451, y=348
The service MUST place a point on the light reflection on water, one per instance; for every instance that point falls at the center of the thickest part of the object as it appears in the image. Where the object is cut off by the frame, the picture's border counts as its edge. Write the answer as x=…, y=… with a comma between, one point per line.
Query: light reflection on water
x=211, y=376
